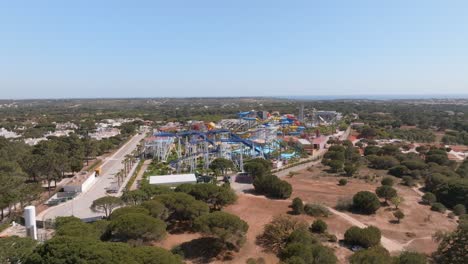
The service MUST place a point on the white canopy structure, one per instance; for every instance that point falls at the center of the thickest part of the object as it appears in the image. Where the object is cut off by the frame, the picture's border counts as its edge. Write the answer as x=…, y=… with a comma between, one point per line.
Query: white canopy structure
x=173, y=180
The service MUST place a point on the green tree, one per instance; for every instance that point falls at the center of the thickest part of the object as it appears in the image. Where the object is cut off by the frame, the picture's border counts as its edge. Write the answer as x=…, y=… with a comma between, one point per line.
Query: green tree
x=227, y=227
x=350, y=169
x=452, y=247
x=216, y=196
x=106, y=204
x=221, y=166
x=128, y=210
x=136, y=226
x=366, y=202
x=156, y=209
x=397, y=200
x=73, y=226
x=429, y=198
x=335, y=165
x=135, y=197
x=16, y=249
x=65, y=249
x=386, y=192
x=182, y=207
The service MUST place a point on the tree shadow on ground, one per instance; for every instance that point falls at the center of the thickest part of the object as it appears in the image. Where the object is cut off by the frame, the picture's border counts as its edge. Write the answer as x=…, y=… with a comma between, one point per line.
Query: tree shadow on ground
x=201, y=250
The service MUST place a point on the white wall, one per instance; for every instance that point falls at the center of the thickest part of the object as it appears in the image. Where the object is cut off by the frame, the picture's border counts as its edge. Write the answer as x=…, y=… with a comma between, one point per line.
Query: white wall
x=83, y=187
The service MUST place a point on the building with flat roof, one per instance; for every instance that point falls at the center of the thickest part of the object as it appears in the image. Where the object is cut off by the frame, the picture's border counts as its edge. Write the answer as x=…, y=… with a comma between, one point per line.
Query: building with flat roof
x=173, y=180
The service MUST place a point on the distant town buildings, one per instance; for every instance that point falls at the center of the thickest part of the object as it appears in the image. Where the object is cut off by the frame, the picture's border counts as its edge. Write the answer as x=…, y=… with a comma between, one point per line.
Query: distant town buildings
x=8, y=134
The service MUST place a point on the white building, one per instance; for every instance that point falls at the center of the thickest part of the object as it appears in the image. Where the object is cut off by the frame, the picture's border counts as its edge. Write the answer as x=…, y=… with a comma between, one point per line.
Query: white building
x=173, y=180
x=80, y=183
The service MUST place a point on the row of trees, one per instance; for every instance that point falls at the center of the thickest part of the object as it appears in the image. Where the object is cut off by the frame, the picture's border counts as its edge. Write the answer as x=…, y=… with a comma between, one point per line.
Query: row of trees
x=266, y=183
x=141, y=217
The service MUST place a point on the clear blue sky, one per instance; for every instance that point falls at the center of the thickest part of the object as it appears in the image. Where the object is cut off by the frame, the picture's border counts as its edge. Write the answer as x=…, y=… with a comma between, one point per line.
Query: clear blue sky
x=232, y=48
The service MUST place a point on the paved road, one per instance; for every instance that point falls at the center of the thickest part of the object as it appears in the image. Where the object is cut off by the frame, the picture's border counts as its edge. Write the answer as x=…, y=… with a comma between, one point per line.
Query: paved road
x=79, y=206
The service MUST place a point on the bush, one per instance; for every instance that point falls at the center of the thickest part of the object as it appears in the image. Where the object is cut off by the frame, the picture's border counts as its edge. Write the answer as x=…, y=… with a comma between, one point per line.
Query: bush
x=318, y=226
x=429, y=198
x=296, y=253
x=398, y=171
x=411, y=258
x=335, y=165
x=399, y=215
x=374, y=255
x=276, y=233
x=301, y=235
x=366, y=202
x=350, y=169
x=438, y=207
x=344, y=204
x=364, y=237
x=459, y=209
x=342, y=182
x=382, y=162
x=387, y=181
x=297, y=206
x=316, y=210
x=408, y=181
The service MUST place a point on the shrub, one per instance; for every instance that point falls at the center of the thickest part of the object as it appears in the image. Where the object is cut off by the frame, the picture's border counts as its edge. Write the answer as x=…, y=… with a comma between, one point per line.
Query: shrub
x=344, y=204
x=399, y=215
x=297, y=206
x=364, y=237
x=307, y=253
x=332, y=238
x=398, y=171
x=301, y=235
x=350, y=169
x=374, y=255
x=342, y=182
x=335, y=165
x=429, y=198
x=316, y=210
x=318, y=226
x=438, y=207
x=366, y=202
x=272, y=186
x=411, y=258
x=408, y=181
x=459, y=209
x=276, y=233
x=387, y=181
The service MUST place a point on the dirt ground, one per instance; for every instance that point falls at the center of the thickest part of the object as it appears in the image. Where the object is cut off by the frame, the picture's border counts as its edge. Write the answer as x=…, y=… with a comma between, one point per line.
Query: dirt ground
x=415, y=230
x=315, y=186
